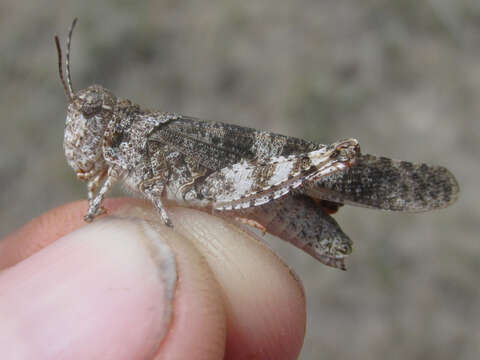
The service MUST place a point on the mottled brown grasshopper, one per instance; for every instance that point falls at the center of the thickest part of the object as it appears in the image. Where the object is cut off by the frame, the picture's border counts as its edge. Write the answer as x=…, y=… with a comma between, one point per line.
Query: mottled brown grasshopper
x=284, y=185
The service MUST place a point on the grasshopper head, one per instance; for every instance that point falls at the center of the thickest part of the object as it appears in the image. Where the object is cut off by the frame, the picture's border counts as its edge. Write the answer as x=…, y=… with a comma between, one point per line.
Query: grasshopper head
x=88, y=114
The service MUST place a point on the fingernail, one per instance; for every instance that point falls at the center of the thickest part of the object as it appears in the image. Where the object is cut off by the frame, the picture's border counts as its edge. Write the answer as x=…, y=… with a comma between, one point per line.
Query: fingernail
x=103, y=291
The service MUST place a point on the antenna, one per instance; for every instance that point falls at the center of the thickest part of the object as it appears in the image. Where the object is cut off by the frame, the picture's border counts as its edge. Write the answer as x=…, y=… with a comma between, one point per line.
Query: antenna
x=68, y=89
x=60, y=70
x=67, y=62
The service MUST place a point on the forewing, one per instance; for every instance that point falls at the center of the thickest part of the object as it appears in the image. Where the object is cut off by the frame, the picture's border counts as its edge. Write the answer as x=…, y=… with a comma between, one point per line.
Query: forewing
x=387, y=184
x=216, y=145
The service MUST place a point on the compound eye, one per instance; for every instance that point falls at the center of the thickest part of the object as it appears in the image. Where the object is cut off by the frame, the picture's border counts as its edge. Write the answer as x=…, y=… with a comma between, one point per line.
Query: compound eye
x=91, y=108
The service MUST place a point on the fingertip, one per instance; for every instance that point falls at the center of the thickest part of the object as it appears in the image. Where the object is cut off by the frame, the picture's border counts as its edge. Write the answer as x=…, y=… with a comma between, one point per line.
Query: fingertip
x=227, y=281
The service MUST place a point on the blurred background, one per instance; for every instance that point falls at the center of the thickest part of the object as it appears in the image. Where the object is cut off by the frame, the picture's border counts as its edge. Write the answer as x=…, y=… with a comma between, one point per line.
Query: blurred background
x=401, y=76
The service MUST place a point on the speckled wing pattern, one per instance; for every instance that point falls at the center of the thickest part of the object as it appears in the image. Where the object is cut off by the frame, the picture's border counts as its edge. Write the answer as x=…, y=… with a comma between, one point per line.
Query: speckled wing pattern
x=382, y=183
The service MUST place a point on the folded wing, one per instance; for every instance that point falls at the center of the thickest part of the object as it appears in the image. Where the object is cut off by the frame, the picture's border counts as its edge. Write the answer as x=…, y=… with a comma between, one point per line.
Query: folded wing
x=382, y=183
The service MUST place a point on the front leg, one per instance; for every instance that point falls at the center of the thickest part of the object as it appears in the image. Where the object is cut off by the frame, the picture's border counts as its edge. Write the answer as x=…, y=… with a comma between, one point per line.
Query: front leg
x=95, y=203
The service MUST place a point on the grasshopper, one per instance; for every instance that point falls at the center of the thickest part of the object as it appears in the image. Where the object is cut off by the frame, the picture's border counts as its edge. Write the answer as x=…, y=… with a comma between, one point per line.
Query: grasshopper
x=286, y=186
